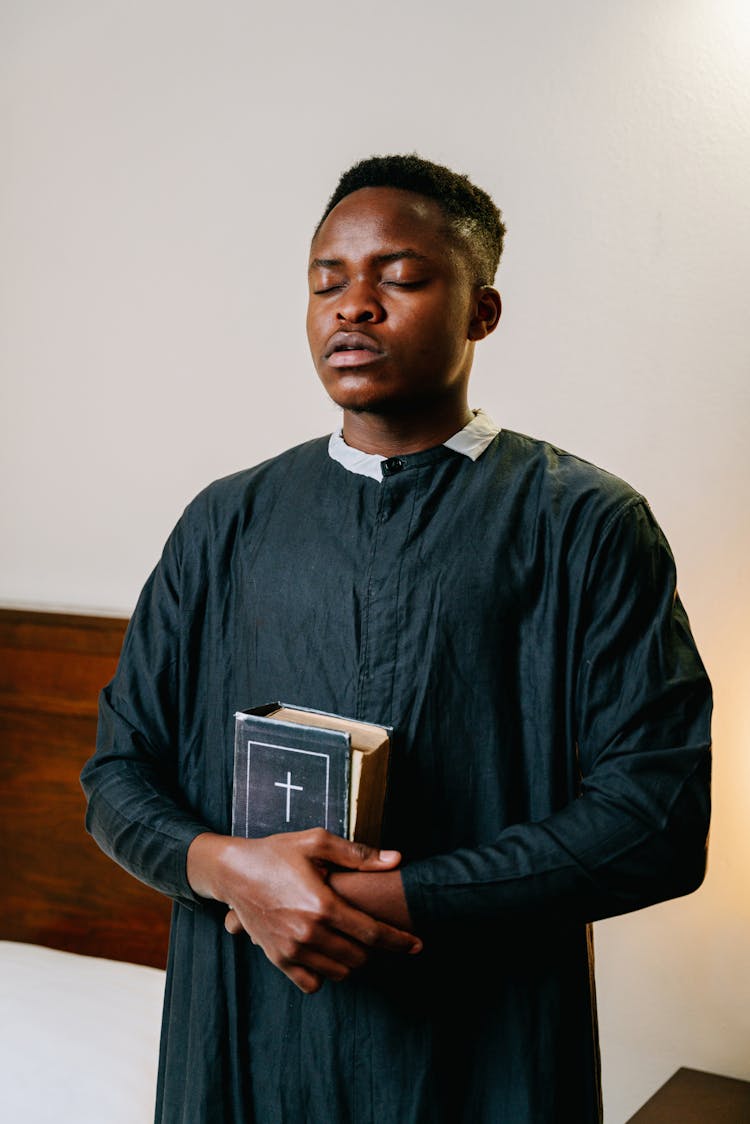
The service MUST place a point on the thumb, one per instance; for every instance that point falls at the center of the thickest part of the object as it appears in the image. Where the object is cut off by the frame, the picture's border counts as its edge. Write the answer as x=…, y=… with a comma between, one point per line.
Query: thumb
x=377, y=860
x=354, y=856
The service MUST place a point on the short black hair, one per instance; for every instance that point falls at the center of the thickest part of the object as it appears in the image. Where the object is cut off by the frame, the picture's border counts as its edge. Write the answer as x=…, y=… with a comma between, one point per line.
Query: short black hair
x=468, y=209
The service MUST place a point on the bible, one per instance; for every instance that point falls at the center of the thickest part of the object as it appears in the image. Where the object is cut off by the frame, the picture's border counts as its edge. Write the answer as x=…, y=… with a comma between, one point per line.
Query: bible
x=296, y=768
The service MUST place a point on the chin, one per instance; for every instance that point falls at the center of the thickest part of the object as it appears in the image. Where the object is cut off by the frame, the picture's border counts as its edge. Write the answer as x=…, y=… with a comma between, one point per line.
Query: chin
x=382, y=407
x=358, y=397
x=370, y=395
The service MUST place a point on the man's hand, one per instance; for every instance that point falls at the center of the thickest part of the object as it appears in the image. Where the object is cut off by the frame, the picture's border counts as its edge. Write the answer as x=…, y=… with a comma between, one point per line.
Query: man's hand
x=277, y=890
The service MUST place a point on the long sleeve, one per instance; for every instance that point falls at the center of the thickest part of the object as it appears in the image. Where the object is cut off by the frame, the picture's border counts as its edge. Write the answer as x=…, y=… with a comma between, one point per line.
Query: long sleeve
x=136, y=811
x=637, y=831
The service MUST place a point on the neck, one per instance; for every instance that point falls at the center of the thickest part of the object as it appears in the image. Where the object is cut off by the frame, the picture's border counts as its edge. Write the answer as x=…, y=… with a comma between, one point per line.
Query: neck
x=390, y=436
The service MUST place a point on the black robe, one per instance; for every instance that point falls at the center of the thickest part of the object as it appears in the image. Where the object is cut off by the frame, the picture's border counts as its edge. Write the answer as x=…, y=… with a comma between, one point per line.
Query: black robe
x=515, y=620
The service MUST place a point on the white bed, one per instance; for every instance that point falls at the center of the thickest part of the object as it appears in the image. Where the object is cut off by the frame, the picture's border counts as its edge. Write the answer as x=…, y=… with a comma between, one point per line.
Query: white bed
x=79, y=1037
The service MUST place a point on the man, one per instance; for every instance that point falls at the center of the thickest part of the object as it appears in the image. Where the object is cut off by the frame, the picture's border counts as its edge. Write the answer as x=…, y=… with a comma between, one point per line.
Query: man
x=511, y=612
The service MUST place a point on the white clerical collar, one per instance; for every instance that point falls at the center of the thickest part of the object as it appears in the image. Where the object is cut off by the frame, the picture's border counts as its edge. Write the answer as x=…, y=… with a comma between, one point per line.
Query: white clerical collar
x=471, y=441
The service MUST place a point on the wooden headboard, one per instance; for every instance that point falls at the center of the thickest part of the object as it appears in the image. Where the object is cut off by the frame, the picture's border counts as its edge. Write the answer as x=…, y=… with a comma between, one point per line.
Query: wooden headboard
x=58, y=889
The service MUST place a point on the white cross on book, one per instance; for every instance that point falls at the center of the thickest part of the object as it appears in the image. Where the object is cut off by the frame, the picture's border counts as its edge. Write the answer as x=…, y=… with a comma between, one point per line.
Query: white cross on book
x=288, y=786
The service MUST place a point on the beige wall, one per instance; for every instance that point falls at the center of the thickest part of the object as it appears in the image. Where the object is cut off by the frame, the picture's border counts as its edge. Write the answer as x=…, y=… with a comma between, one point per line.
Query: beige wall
x=163, y=162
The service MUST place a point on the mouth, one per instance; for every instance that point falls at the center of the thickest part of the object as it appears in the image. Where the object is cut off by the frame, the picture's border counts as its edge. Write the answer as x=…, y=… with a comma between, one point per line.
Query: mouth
x=351, y=349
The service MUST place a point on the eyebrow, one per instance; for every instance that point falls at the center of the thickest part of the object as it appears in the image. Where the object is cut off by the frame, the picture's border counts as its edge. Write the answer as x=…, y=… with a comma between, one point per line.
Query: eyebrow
x=379, y=259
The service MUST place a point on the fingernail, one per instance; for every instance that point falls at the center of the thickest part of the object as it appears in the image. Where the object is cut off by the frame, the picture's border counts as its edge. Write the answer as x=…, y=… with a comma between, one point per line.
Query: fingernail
x=415, y=948
x=388, y=856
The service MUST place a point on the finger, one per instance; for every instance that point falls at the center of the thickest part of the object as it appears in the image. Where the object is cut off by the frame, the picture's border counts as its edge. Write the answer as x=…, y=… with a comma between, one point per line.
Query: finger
x=232, y=923
x=335, y=948
x=323, y=845
x=323, y=966
x=371, y=933
x=306, y=981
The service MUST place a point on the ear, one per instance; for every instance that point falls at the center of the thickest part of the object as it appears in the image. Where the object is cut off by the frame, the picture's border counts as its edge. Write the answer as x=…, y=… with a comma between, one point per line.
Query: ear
x=487, y=309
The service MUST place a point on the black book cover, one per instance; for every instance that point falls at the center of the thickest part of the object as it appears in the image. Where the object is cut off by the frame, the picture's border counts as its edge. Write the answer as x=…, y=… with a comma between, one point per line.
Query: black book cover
x=288, y=777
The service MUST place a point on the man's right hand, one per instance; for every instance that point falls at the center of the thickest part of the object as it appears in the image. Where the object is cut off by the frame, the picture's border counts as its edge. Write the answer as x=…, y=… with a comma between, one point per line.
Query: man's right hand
x=277, y=890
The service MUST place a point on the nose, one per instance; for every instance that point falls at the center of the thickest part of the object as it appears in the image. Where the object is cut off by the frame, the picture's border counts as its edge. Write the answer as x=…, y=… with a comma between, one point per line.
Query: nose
x=359, y=304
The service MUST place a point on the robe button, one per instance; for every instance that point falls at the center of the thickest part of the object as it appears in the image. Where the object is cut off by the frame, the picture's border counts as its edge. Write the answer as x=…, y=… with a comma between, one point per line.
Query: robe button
x=392, y=466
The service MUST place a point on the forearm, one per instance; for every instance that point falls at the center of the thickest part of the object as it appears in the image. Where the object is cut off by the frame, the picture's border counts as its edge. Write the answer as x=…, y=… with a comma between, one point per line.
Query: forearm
x=143, y=830
x=380, y=895
x=608, y=852
x=134, y=813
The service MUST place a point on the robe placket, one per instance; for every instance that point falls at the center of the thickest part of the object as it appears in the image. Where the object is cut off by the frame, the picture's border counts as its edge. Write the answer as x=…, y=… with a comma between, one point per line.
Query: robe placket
x=378, y=662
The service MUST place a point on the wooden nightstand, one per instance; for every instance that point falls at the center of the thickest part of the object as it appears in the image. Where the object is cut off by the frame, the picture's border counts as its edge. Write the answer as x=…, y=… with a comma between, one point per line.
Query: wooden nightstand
x=694, y=1097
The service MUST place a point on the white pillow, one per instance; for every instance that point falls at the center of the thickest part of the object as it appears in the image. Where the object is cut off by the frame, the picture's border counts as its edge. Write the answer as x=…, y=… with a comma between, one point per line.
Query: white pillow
x=79, y=1037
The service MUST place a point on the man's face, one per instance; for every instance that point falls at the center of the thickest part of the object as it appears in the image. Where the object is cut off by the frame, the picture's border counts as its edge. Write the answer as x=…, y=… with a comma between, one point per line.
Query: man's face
x=390, y=304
